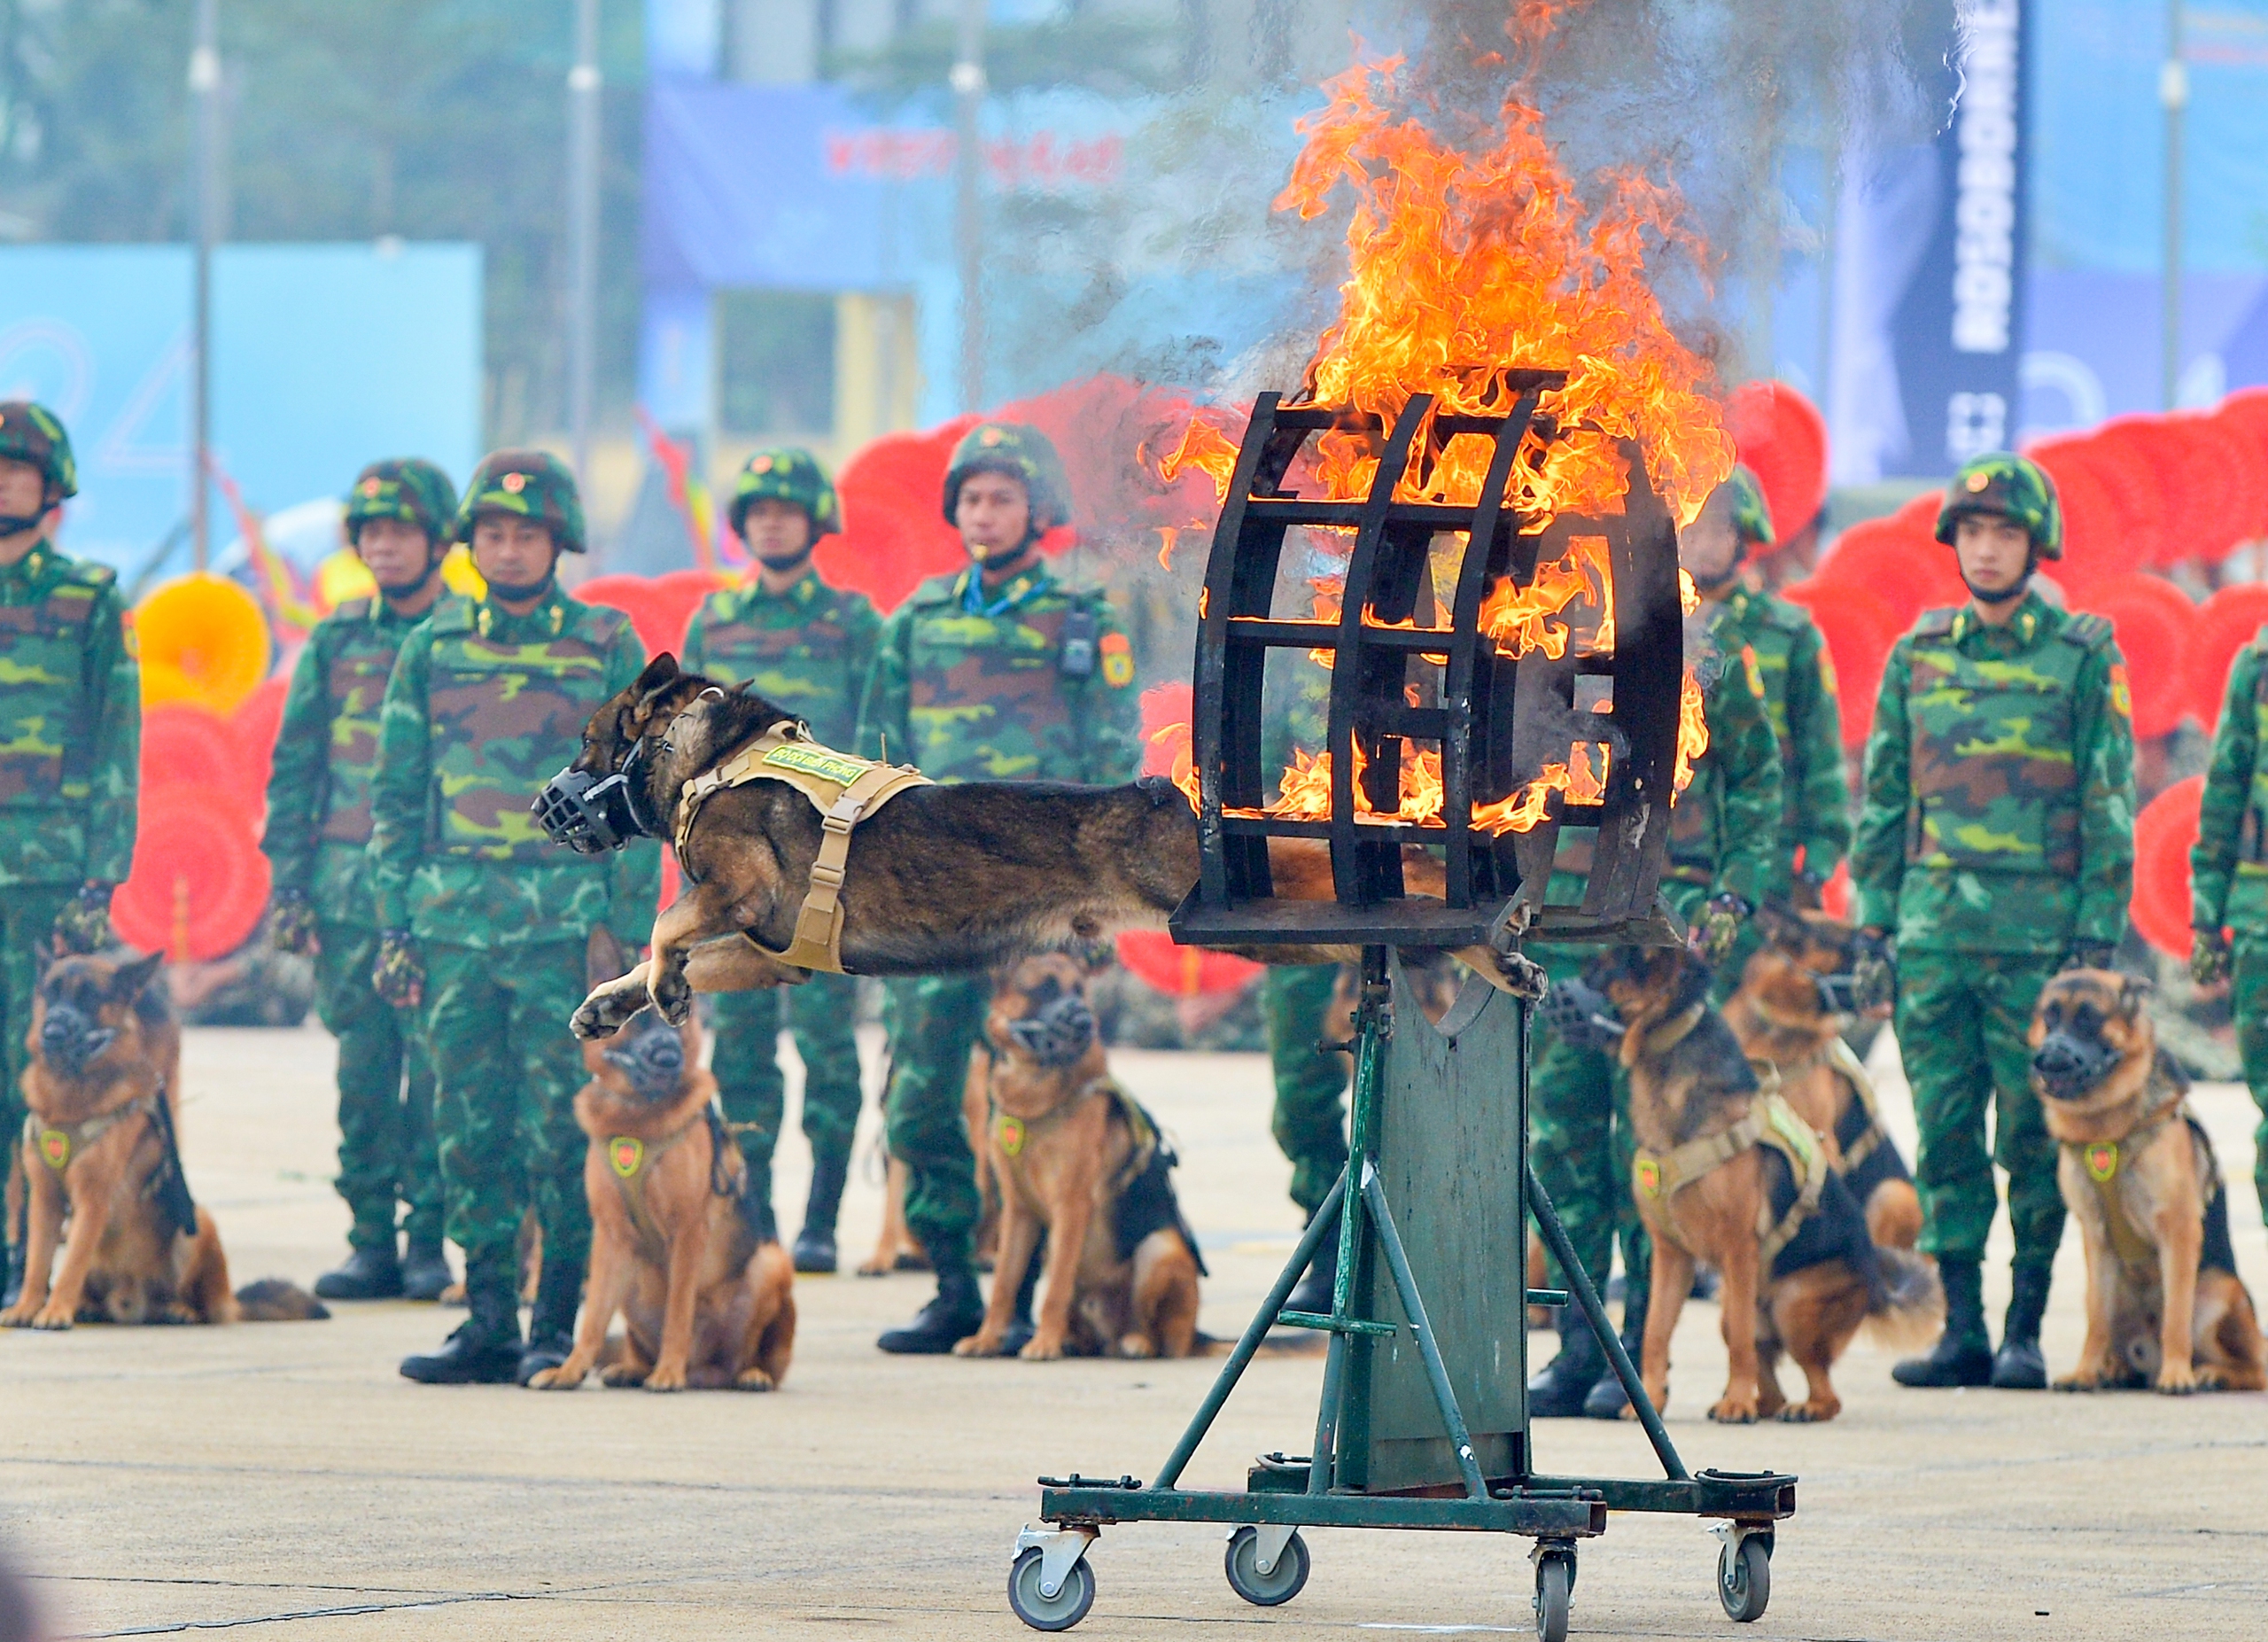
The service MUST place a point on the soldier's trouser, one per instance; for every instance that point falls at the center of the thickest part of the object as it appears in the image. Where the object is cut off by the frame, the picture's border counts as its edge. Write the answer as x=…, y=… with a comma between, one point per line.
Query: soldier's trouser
x=1961, y=1021
x=2248, y=1000
x=385, y=1120
x=26, y=918
x=823, y=1013
x=506, y=1070
x=1581, y=1146
x=933, y=1021
x=1310, y=1122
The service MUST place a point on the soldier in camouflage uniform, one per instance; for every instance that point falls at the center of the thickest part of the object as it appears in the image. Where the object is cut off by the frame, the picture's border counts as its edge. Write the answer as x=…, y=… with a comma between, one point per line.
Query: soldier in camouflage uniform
x=483, y=919
x=997, y=673
x=2228, y=877
x=1995, y=847
x=808, y=647
x=399, y=516
x=70, y=705
x=1724, y=860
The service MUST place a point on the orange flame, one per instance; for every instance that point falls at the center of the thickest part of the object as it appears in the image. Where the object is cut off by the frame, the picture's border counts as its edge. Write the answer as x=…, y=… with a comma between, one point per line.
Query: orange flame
x=1692, y=731
x=1304, y=793
x=1520, y=619
x=1206, y=448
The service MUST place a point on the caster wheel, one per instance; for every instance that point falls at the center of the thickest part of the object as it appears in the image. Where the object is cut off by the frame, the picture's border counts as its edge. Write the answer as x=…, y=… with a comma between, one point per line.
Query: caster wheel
x=1280, y=1584
x=1555, y=1579
x=1744, y=1578
x=1066, y=1608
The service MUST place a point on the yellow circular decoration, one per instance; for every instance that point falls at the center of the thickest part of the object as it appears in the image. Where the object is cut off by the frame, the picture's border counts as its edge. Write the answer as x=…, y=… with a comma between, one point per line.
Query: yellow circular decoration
x=626, y=1154
x=343, y=576
x=204, y=640
x=459, y=576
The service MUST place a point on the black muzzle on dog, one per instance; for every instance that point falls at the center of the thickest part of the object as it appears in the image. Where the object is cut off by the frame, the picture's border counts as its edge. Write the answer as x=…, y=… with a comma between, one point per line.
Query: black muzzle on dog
x=70, y=1041
x=650, y=1054
x=2068, y=1066
x=591, y=815
x=1582, y=1014
x=1057, y=1033
x=1839, y=993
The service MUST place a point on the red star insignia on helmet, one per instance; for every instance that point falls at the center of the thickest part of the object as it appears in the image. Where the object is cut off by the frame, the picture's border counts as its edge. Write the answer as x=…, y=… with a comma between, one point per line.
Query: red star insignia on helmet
x=370, y=488
x=762, y=464
x=991, y=436
x=1978, y=481
x=515, y=482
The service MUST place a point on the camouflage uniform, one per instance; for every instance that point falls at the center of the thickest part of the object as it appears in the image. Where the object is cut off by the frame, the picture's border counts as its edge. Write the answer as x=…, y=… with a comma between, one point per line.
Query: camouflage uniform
x=809, y=649
x=482, y=708
x=2229, y=870
x=970, y=685
x=1799, y=699
x=71, y=704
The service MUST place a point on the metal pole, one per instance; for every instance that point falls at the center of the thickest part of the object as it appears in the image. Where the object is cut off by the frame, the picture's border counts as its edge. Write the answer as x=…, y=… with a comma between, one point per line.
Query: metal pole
x=2174, y=92
x=968, y=228
x=205, y=93
x=583, y=232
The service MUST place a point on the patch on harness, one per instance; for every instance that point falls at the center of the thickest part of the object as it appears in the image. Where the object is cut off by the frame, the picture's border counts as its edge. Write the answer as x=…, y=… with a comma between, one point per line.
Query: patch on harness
x=2101, y=1159
x=54, y=1148
x=817, y=761
x=626, y=1155
x=1011, y=1132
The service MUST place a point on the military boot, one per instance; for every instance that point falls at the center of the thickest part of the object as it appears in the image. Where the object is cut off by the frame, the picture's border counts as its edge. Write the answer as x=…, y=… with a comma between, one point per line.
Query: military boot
x=11, y=1288
x=2018, y=1365
x=1318, y=1288
x=957, y=1312
x=1963, y=1354
x=424, y=1272
x=551, y=1320
x=373, y=1273
x=815, y=1243
x=1559, y=1390
x=486, y=1348
x=1607, y=1400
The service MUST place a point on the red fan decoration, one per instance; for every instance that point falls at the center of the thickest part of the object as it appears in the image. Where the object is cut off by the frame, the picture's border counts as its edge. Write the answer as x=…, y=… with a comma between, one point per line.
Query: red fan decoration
x=189, y=745
x=2096, y=545
x=2224, y=624
x=199, y=881
x=2153, y=618
x=1165, y=706
x=894, y=532
x=671, y=600
x=254, y=726
x=1183, y=971
x=635, y=597
x=1782, y=437
x=2164, y=833
x=1859, y=628
x=1906, y=569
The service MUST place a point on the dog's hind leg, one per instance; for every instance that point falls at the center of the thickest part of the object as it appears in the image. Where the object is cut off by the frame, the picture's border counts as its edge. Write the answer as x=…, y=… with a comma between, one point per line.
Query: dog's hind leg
x=1165, y=1298
x=773, y=1350
x=205, y=1286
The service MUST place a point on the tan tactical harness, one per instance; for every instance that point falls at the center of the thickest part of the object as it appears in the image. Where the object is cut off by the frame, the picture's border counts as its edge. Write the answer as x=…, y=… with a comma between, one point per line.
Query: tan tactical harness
x=630, y=1159
x=1771, y=1121
x=2103, y=1160
x=58, y=1144
x=844, y=791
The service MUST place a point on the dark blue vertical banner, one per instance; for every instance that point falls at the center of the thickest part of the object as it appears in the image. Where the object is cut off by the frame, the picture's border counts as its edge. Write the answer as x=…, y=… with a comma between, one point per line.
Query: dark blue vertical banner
x=1958, y=332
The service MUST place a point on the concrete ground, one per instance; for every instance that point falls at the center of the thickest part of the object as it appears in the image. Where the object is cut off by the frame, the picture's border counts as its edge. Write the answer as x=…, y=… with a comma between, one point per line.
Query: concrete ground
x=283, y=1475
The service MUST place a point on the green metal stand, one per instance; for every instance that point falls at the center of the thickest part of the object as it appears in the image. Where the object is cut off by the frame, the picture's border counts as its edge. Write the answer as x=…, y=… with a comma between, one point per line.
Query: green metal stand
x=1423, y=1418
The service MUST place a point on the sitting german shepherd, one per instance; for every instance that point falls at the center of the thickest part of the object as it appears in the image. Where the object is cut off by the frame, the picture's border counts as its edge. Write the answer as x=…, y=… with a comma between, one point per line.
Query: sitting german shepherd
x=100, y=1149
x=1728, y=1173
x=942, y=878
x=707, y=1301
x=1789, y=1013
x=1077, y=1159
x=2164, y=1302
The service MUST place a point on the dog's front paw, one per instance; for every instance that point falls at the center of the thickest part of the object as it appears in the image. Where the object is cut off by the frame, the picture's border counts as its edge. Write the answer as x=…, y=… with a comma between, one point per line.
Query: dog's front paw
x=755, y=1380
x=2213, y=1380
x=983, y=1342
x=1733, y=1410
x=2081, y=1381
x=673, y=998
x=1137, y=1346
x=1810, y=1412
x=559, y=1378
x=2177, y=1379
x=55, y=1318
x=666, y=1378
x=622, y=1374
x=606, y=1010
x=1040, y=1348
x=19, y=1316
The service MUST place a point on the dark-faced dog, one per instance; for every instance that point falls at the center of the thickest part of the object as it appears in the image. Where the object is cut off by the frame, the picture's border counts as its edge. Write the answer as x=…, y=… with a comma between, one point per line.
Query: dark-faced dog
x=1076, y=1158
x=1728, y=1173
x=1789, y=1013
x=104, y=1086
x=2164, y=1303
x=941, y=879
x=707, y=1302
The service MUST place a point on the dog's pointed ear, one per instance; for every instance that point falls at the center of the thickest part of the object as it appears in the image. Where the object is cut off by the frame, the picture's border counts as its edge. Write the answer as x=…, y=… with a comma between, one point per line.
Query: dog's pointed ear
x=660, y=673
x=127, y=981
x=603, y=959
x=44, y=956
x=2134, y=994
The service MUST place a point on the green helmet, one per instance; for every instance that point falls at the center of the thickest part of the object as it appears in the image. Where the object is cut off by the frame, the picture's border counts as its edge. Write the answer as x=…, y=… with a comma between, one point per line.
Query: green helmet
x=1020, y=451
x=1751, y=514
x=533, y=484
x=2013, y=486
x=32, y=432
x=408, y=488
x=788, y=474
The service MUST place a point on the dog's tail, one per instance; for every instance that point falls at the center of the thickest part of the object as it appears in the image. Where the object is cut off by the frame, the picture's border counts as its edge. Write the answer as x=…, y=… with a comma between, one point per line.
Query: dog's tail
x=1907, y=1310
x=272, y=1300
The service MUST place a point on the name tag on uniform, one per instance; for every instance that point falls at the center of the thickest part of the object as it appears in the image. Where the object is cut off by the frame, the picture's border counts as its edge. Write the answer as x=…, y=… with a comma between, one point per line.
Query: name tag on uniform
x=817, y=761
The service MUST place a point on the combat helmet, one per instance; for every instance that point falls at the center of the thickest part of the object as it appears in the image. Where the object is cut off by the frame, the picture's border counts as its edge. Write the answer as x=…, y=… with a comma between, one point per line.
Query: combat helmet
x=788, y=474
x=31, y=432
x=408, y=488
x=1022, y=453
x=2012, y=487
x=1752, y=514
x=533, y=484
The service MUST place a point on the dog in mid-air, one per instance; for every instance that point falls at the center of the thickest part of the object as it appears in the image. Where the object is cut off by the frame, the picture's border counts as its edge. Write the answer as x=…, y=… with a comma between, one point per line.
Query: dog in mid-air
x=2166, y=1306
x=1793, y=1004
x=1076, y=1158
x=708, y=1298
x=101, y=1162
x=1728, y=1173
x=942, y=878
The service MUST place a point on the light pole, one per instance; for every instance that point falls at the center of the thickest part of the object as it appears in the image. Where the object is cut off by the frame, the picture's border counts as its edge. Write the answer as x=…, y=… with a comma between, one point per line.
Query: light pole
x=205, y=92
x=583, y=233
x=968, y=228
x=2174, y=92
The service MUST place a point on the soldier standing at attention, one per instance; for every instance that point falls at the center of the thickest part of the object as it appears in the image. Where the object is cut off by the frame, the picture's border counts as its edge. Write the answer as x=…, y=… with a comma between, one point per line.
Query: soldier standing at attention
x=1996, y=847
x=997, y=673
x=70, y=705
x=807, y=647
x=398, y=520
x=483, y=920
x=1798, y=682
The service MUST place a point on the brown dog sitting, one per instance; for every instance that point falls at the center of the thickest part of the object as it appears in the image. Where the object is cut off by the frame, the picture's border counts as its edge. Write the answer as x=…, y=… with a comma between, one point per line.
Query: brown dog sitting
x=2164, y=1302
x=1789, y=1013
x=1727, y=1172
x=708, y=1302
x=1077, y=1159
x=103, y=1087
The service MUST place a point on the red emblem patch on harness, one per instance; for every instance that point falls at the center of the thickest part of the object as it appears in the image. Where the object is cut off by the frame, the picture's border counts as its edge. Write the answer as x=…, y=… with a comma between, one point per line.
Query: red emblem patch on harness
x=626, y=1155
x=54, y=1148
x=2102, y=1160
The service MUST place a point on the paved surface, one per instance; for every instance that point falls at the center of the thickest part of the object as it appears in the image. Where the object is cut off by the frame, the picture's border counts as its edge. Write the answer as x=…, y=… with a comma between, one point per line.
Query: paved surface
x=284, y=1476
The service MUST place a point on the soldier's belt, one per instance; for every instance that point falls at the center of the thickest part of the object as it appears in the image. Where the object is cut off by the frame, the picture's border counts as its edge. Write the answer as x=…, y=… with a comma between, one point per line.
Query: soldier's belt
x=844, y=791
